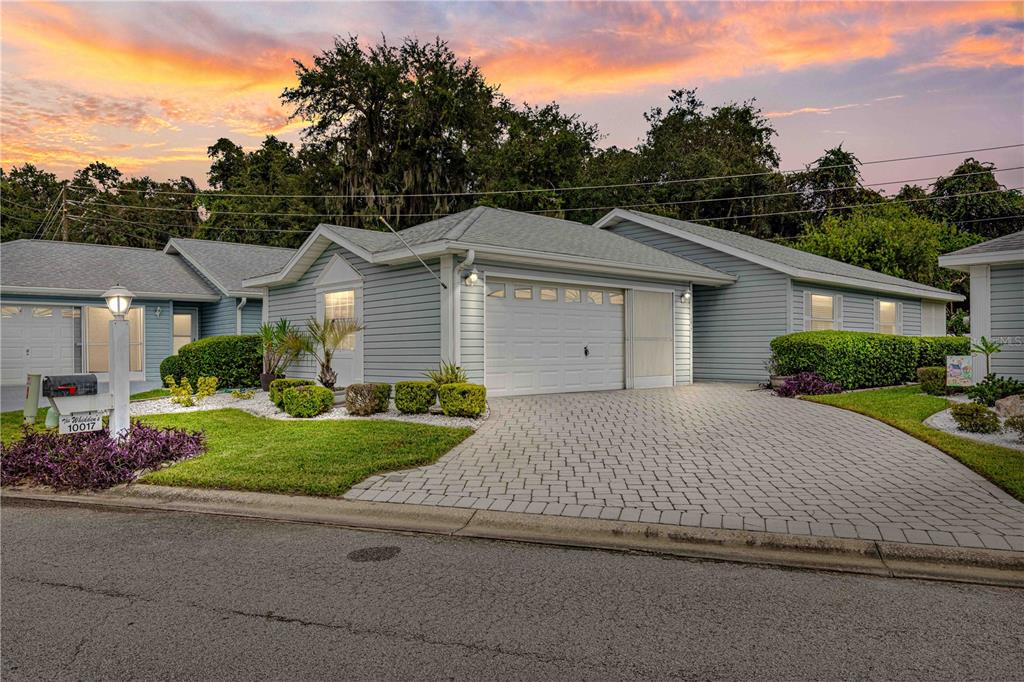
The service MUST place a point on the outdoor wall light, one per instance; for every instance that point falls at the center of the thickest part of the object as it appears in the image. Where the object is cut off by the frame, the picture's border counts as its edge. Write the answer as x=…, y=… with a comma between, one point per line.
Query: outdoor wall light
x=119, y=301
x=472, y=278
x=685, y=296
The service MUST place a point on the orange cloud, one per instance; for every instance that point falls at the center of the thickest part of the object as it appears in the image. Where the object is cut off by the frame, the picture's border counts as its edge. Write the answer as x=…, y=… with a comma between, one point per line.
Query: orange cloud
x=1000, y=49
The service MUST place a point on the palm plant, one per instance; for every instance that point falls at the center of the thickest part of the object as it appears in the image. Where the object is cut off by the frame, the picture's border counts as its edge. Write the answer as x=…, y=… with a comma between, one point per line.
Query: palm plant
x=988, y=349
x=282, y=345
x=446, y=373
x=324, y=337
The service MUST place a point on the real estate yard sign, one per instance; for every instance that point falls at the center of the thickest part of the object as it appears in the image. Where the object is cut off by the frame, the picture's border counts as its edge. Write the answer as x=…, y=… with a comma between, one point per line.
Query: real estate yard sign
x=959, y=370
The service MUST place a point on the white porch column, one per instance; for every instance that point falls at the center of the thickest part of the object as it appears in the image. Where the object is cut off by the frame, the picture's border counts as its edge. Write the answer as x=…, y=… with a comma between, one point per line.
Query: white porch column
x=120, y=382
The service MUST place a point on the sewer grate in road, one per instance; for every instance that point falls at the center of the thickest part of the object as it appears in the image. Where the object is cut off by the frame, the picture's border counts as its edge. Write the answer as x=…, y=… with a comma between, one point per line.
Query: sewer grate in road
x=374, y=554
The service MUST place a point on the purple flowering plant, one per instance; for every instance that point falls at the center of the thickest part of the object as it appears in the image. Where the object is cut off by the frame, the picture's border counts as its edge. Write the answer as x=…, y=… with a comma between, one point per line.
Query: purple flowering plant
x=807, y=383
x=93, y=460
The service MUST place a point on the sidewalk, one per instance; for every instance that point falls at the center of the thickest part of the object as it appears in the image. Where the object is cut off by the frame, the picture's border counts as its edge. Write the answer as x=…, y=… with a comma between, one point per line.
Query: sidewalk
x=887, y=559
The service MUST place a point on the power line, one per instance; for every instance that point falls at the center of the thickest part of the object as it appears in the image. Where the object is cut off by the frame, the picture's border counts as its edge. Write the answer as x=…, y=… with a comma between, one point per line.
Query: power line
x=651, y=183
x=564, y=210
x=50, y=214
x=957, y=223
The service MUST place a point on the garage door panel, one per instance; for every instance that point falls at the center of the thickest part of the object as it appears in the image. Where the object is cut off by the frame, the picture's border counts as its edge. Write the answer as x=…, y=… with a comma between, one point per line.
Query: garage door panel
x=38, y=339
x=537, y=346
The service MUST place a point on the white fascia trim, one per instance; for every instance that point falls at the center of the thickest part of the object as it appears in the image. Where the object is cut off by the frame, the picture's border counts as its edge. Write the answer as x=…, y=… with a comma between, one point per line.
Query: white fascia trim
x=595, y=265
x=994, y=258
x=98, y=293
x=287, y=275
x=796, y=273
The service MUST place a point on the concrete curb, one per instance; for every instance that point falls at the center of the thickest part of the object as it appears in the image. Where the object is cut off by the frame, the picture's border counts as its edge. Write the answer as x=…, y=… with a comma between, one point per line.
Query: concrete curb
x=888, y=559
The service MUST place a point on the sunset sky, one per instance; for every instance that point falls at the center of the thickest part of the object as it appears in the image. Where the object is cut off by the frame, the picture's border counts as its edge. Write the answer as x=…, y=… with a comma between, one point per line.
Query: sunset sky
x=148, y=86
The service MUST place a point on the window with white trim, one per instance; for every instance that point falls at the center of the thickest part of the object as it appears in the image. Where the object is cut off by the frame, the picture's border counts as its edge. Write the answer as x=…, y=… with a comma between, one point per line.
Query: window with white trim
x=97, y=339
x=341, y=305
x=887, y=317
x=821, y=312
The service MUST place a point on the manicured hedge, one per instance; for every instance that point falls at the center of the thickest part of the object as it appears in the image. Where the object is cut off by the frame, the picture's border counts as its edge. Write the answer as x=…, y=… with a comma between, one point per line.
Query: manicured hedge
x=307, y=401
x=415, y=397
x=366, y=399
x=171, y=366
x=863, y=359
x=933, y=380
x=932, y=350
x=278, y=387
x=463, y=400
x=234, y=360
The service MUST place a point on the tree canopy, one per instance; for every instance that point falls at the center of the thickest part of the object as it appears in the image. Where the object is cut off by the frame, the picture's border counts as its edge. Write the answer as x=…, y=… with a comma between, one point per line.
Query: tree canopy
x=410, y=131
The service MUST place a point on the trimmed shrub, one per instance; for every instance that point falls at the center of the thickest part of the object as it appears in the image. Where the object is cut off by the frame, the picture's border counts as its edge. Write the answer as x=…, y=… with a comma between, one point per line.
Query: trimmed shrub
x=933, y=380
x=932, y=350
x=1016, y=425
x=993, y=388
x=93, y=460
x=363, y=399
x=850, y=359
x=171, y=367
x=236, y=360
x=383, y=395
x=278, y=386
x=463, y=400
x=807, y=383
x=415, y=397
x=307, y=401
x=975, y=418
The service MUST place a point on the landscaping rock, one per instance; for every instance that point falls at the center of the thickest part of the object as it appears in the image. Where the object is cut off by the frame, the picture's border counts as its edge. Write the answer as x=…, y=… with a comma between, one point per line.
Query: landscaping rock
x=1010, y=406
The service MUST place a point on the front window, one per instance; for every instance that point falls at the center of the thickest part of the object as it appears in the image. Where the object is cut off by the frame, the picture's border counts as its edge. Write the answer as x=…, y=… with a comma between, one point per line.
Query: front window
x=341, y=305
x=888, y=318
x=822, y=312
x=97, y=337
x=182, y=334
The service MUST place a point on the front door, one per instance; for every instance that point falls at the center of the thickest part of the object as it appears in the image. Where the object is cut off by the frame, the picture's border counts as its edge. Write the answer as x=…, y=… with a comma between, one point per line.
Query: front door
x=186, y=327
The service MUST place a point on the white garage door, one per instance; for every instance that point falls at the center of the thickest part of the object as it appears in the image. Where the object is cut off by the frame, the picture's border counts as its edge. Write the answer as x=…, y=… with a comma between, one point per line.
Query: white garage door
x=38, y=339
x=553, y=339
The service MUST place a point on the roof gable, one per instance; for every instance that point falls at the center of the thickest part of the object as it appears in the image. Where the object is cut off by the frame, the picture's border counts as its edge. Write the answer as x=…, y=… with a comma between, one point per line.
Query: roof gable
x=793, y=262
x=228, y=264
x=1006, y=249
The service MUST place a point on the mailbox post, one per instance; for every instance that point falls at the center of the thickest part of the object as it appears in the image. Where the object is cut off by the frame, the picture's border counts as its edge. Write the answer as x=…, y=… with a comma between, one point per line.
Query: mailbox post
x=119, y=301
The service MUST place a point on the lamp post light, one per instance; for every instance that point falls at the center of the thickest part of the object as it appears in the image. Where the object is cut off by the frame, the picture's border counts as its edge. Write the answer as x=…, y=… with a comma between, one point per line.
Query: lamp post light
x=119, y=302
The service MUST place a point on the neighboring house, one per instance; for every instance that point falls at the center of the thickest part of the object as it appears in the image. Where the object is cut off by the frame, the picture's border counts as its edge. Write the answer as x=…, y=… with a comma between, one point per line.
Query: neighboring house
x=997, y=297
x=530, y=304
x=778, y=290
x=54, y=320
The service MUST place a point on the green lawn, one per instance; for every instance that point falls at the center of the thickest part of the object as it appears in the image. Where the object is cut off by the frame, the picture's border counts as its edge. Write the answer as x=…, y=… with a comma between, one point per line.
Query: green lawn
x=324, y=457
x=907, y=407
x=152, y=393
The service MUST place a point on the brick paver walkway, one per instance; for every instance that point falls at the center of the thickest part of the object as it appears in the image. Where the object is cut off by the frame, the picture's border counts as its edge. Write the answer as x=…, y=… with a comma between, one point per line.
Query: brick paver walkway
x=712, y=455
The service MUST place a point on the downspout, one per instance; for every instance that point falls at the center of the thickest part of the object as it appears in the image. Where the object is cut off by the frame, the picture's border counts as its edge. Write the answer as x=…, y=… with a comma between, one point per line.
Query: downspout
x=238, y=315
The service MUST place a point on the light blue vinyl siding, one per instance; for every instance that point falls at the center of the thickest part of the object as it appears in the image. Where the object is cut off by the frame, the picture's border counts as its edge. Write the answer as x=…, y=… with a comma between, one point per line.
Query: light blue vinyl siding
x=252, y=316
x=471, y=328
x=217, y=319
x=401, y=313
x=156, y=329
x=1008, y=319
x=858, y=308
x=732, y=324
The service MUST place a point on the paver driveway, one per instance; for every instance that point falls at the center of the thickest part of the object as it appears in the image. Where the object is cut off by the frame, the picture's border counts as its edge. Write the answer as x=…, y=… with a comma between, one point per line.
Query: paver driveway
x=712, y=455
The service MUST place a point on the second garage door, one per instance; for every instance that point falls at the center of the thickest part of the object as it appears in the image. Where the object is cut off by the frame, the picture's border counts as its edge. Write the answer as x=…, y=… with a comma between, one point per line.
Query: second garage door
x=38, y=339
x=553, y=339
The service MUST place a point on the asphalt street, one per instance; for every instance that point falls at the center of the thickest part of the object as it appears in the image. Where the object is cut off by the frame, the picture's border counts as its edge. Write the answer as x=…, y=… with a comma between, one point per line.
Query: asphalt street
x=112, y=594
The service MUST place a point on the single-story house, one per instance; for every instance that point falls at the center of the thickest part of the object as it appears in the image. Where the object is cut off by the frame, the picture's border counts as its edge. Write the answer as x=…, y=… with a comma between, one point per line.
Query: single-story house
x=997, y=297
x=53, y=319
x=531, y=304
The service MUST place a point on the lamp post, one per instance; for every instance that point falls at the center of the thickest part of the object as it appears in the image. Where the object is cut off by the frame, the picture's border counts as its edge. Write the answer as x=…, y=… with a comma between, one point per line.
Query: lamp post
x=119, y=301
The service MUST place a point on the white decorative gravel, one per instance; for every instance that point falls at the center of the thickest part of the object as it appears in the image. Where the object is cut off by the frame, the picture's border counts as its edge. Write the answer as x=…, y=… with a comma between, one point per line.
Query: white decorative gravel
x=261, y=406
x=943, y=421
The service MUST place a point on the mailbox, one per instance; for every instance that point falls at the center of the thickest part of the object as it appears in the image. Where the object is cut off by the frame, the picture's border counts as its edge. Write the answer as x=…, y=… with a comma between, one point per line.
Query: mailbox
x=66, y=385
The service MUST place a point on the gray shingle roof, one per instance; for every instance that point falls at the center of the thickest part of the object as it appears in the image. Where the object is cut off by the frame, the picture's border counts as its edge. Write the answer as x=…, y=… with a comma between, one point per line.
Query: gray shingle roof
x=94, y=268
x=494, y=227
x=789, y=257
x=1009, y=242
x=229, y=263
